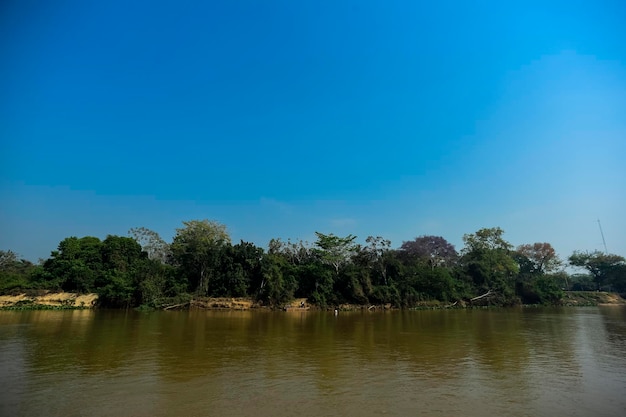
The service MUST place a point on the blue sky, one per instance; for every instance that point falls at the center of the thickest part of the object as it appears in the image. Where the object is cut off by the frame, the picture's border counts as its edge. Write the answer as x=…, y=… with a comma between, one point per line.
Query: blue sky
x=282, y=118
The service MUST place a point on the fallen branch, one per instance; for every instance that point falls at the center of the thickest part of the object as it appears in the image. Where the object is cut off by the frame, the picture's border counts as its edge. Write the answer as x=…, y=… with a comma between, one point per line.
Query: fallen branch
x=177, y=305
x=452, y=305
x=481, y=296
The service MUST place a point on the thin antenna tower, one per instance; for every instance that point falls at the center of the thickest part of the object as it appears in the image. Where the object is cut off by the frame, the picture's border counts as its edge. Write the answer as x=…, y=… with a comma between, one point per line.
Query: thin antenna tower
x=603, y=241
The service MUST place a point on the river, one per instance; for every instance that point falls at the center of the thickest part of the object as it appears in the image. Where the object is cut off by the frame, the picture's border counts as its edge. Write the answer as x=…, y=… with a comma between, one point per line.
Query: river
x=503, y=362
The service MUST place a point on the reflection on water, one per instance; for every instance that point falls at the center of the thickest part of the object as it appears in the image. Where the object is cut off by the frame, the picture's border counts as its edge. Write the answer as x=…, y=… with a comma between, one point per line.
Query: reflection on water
x=517, y=362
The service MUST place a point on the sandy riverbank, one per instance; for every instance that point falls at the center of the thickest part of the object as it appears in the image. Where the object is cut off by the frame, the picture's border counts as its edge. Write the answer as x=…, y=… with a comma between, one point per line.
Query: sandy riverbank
x=57, y=299
x=72, y=300
x=591, y=298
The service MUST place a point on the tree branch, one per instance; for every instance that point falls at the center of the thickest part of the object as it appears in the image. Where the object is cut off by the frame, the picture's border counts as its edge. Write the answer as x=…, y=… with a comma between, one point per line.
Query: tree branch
x=481, y=296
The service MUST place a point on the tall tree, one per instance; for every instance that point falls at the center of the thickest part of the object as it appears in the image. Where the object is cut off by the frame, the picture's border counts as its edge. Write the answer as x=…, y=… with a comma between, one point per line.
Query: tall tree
x=75, y=266
x=538, y=280
x=487, y=260
x=8, y=259
x=376, y=257
x=603, y=267
x=542, y=257
x=297, y=253
x=278, y=283
x=14, y=272
x=435, y=250
x=239, y=271
x=486, y=239
x=334, y=250
x=151, y=243
x=196, y=248
x=120, y=253
x=121, y=260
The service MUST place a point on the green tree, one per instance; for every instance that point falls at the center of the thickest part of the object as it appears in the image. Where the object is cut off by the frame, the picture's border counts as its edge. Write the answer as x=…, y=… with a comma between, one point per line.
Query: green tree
x=249, y=257
x=486, y=239
x=112, y=268
x=336, y=251
x=15, y=273
x=196, y=249
x=545, y=289
x=120, y=253
x=117, y=285
x=602, y=267
x=375, y=256
x=75, y=266
x=582, y=282
x=155, y=283
x=538, y=280
x=487, y=260
x=617, y=278
x=238, y=272
x=278, y=284
x=316, y=281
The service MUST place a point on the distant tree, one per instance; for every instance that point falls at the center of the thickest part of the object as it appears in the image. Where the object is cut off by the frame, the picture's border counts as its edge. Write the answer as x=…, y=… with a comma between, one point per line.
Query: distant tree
x=249, y=256
x=543, y=289
x=155, y=282
x=353, y=285
x=275, y=247
x=120, y=253
x=617, y=278
x=486, y=239
x=75, y=266
x=602, y=267
x=8, y=259
x=116, y=284
x=317, y=282
x=196, y=249
x=542, y=257
x=488, y=262
x=239, y=270
x=582, y=282
x=15, y=273
x=278, y=284
x=151, y=243
x=336, y=251
x=299, y=252
x=376, y=256
x=435, y=250
x=114, y=268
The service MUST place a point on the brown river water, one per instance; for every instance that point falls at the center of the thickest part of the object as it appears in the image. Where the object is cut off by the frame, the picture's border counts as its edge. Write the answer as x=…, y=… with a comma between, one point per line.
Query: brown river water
x=509, y=362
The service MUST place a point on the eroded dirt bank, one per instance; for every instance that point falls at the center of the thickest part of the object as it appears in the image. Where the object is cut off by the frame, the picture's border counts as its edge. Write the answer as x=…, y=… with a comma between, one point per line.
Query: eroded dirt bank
x=72, y=300
x=57, y=299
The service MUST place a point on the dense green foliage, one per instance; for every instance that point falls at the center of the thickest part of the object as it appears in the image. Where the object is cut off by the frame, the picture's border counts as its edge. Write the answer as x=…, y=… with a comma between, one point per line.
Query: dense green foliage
x=144, y=270
x=606, y=270
x=15, y=273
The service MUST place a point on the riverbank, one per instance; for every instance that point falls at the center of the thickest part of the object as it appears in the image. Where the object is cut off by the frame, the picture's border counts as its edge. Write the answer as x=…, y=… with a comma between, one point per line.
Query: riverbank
x=64, y=300
x=591, y=298
x=57, y=300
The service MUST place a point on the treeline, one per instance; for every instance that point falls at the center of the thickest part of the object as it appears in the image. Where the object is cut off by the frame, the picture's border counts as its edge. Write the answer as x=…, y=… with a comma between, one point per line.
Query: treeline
x=201, y=260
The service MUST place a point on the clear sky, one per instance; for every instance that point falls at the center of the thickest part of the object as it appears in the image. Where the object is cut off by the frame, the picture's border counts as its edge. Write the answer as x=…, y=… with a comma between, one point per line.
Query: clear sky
x=282, y=118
